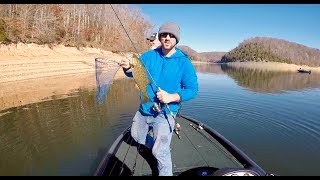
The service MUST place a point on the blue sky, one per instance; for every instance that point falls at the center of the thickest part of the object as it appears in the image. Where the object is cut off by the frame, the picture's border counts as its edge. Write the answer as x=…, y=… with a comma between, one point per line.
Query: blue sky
x=221, y=27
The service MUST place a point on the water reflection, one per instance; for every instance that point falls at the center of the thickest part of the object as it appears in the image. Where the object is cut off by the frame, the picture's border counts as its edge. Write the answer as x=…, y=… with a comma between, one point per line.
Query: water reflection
x=20, y=93
x=68, y=133
x=64, y=136
x=264, y=81
x=208, y=68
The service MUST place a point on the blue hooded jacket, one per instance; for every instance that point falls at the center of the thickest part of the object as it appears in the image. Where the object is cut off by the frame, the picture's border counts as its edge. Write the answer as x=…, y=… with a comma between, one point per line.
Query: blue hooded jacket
x=174, y=74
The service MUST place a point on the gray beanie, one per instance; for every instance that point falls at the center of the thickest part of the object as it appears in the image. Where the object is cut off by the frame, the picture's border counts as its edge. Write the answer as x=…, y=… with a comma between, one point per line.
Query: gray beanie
x=172, y=28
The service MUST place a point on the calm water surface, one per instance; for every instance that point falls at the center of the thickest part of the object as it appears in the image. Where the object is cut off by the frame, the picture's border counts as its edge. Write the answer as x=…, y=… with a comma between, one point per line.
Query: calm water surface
x=272, y=116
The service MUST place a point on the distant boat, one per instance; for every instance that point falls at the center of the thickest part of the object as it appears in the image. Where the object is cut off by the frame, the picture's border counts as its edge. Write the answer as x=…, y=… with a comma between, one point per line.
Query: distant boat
x=304, y=71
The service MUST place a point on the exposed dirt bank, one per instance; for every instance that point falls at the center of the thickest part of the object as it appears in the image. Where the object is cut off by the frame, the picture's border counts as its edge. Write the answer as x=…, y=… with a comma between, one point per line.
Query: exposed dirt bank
x=29, y=61
x=31, y=73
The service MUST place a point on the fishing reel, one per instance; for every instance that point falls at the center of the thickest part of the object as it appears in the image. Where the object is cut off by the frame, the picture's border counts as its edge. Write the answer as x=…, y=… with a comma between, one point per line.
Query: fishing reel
x=157, y=107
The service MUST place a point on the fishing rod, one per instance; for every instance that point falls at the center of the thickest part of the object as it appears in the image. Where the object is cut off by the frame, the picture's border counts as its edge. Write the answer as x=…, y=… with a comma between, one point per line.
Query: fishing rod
x=134, y=47
x=158, y=88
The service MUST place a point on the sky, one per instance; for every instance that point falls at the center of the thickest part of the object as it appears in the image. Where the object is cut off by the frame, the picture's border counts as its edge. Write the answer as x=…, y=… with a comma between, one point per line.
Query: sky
x=221, y=27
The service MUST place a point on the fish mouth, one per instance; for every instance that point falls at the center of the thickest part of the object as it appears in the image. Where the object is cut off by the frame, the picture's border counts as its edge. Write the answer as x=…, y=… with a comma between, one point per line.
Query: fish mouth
x=134, y=61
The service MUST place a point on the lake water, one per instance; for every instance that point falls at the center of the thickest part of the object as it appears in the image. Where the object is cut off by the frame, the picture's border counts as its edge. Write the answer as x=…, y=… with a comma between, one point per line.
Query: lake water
x=272, y=116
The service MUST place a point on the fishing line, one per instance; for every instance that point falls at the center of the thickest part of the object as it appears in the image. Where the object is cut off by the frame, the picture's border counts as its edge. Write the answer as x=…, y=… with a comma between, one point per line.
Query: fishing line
x=124, y=29
x=154, y=82
x=134, y=47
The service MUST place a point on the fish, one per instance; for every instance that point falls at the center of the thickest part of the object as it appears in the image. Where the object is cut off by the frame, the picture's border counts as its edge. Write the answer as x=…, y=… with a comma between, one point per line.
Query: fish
x=140, y=77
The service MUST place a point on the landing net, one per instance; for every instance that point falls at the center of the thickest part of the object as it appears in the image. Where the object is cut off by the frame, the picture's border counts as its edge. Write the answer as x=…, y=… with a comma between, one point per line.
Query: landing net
x=105, y=71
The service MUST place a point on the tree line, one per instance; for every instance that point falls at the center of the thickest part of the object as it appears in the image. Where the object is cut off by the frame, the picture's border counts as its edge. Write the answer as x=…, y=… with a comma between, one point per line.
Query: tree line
x=272, y=49
x=76, y=25
x=97, y=26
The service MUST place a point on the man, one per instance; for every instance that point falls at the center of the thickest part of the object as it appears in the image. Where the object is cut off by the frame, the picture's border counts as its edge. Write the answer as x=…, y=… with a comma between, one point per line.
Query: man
x=154, y=41
x=173, y=81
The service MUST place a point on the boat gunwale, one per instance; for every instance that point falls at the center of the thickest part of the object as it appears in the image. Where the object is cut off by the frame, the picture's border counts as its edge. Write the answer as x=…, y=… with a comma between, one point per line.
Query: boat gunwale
x=247, y=162
x=111, y=152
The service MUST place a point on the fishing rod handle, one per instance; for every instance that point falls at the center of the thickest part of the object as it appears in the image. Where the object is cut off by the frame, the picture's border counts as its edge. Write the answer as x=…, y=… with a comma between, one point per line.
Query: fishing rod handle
x=166, y=105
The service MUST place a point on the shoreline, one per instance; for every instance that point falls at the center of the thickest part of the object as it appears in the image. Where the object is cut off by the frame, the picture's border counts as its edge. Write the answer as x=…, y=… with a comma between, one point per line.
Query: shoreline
x=274, y=66
x=31, y=61
x=31, y=73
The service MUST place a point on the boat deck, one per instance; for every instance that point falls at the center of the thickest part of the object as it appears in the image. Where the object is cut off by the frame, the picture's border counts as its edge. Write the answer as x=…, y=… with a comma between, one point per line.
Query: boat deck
x=196, y=149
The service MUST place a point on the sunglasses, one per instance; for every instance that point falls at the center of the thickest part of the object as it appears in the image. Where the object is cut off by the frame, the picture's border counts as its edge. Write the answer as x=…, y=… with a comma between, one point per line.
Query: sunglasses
x=164, y=35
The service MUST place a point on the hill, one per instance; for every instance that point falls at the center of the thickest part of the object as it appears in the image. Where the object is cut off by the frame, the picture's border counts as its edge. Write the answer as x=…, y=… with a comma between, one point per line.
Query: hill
x=203, y=56
x=213, y=56
x=275, y=50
